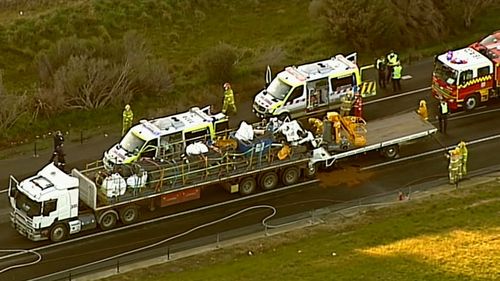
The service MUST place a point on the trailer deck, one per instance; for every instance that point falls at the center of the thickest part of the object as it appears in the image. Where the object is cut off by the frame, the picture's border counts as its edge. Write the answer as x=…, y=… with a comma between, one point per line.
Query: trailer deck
x=381, y=133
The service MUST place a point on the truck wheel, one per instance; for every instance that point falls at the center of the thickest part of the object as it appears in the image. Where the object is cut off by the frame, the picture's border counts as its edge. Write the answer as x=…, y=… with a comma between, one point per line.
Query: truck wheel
x=268, y=181
x=290, y=175
x=108, y=220
x=391, y=151
x=247, y=186
x=129, y=214
x=58, y=233
x=310, y=171
x=471, y=102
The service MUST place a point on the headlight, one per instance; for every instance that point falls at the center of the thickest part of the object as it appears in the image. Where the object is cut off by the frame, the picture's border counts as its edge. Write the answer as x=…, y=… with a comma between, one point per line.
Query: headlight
x=452, y=100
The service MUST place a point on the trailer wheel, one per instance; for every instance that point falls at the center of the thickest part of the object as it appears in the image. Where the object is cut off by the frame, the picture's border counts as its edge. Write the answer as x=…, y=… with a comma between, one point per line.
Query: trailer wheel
x=58, y=233
x=129, y=214
x=290, y=175
x=310, y=171
x=269, y=181
x=108, y=220
x=247, y=186
x=471, y=102
x=391, y=151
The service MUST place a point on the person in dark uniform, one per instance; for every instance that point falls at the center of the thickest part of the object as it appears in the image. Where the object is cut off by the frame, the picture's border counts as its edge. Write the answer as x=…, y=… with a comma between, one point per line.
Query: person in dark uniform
x=58, y=153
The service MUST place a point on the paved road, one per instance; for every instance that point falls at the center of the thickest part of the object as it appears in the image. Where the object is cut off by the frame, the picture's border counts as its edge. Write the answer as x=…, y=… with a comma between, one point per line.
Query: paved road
x=344, y=183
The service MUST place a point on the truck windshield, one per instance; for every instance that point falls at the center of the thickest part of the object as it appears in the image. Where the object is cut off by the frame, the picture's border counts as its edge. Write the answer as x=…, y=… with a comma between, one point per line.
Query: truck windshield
x=131, y=143
x=27, y=205
x=490, y=39
x=445, y=73
x=278, y=89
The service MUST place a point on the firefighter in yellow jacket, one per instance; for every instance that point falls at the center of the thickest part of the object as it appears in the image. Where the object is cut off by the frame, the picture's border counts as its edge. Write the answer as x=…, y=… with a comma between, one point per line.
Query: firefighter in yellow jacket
x=454, y=166
x=128, y=118
x=463, y=158
x=229, y=104
x=422, y=110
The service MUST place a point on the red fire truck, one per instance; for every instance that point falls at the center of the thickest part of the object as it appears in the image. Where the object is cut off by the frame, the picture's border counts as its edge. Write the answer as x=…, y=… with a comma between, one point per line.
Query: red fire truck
x=469, y=76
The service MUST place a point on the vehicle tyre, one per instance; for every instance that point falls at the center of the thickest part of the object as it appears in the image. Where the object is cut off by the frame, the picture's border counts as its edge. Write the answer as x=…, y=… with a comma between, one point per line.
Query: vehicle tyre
x=471, y=102
x=129, y=214
x=290, y=175
x=108, y=220
x=59, y=232
x=268, y=181
x=247, y=186
x=310, y=171
x=391, y=151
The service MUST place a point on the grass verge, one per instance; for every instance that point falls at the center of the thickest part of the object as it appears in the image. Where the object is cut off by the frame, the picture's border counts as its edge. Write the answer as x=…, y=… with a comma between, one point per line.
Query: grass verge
x=452, y=235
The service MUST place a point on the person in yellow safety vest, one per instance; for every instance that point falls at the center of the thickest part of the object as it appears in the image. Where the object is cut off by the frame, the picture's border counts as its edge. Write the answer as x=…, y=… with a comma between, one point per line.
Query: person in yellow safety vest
x=128, y=118
x=396, y=77
x=463, y=159
x=228, y=100
x=346, y=104
x=317, y=125
x=444, y=111
x=392, y=60
x=454, y=165
x=422, y=110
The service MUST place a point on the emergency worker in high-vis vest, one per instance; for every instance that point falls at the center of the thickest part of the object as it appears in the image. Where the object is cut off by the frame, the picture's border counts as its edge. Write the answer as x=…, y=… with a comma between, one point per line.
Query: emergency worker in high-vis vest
x=396, y=77
x=229, y=106
x=454, y=165
x=128, y=118
x=463, y=159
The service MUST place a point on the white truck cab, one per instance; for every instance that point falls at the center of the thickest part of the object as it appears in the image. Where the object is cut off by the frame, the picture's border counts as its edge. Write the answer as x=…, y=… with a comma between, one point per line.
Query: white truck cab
x=46, y=204
x=312, y=88
x=165, y=136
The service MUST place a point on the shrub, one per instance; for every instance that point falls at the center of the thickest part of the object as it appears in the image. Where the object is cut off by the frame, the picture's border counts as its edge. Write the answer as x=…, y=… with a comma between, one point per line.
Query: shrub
x=219, y=63
x=90, y=73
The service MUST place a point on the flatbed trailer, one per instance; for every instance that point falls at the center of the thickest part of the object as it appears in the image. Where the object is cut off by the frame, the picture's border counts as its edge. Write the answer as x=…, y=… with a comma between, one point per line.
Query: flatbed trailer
x=53, y=205
x=384, y=134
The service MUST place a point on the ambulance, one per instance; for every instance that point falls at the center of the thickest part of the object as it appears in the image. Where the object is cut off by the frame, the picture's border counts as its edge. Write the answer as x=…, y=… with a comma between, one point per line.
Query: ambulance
x=313, y=88
x=164, y=137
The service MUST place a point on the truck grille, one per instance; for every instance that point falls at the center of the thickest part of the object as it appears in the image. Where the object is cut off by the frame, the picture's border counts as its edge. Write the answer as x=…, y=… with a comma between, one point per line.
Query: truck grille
x=22, y=223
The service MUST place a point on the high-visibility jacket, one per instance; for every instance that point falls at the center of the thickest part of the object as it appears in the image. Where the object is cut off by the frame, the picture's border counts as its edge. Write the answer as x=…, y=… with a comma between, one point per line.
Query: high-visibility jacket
x=392, y=59
x=443, y=108
x=396, y=72
x=128, y=116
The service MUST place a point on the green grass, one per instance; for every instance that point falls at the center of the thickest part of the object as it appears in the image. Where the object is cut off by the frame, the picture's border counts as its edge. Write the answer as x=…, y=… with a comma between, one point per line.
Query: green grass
x=179, y=32
x=449, y=236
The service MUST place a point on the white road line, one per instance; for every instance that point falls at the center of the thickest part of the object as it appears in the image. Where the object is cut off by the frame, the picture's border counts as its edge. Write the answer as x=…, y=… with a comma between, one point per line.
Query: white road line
x=399, y=95
x=427, y=153
x=406, y=77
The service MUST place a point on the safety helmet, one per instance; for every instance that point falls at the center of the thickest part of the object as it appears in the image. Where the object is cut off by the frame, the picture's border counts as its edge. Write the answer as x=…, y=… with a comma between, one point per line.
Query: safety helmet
x=127, y=107
x=227, y=85
x=461, y=144
x=422, y=103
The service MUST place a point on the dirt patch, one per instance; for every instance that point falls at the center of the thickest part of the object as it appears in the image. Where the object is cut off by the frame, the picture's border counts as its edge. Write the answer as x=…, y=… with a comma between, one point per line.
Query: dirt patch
x=345, y=176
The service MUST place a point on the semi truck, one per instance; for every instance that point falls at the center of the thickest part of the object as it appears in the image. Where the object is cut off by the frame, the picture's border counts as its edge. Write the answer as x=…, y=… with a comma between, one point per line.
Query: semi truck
x=313, y=88
x=469, y=76
x=55, y=205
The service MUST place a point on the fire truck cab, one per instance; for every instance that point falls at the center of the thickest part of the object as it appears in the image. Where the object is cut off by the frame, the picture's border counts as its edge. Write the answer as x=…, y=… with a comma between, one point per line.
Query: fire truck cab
x=468, y=76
